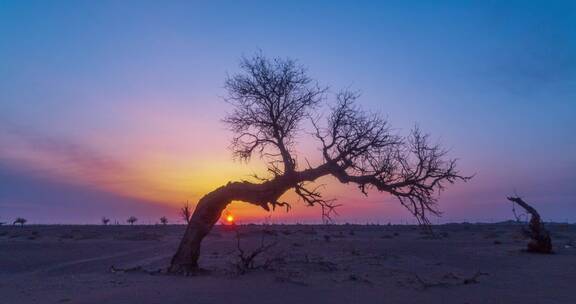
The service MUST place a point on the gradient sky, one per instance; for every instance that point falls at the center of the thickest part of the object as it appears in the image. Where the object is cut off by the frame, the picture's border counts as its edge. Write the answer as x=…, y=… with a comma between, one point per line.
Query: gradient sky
x=113, y=107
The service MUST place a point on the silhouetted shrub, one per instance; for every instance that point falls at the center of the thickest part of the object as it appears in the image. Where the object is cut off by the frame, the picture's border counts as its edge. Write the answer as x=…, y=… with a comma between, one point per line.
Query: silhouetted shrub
x=164, y=220
x=186, y=212
x=131, y=220
x=20, y=221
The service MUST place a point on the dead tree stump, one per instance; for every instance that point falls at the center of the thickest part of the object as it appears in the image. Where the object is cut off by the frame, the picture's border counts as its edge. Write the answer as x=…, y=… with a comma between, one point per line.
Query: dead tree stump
x=540, y=241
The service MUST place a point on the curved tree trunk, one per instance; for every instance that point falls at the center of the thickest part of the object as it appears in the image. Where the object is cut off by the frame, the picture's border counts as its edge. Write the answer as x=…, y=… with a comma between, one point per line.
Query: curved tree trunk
x=210, y=207
x=205, y=215
x=540, y=238
x=209, y=210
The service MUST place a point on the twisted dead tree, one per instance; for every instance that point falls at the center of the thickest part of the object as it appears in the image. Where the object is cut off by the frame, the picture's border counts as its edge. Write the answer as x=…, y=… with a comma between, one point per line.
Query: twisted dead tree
x=270, y=100
x=540, y=241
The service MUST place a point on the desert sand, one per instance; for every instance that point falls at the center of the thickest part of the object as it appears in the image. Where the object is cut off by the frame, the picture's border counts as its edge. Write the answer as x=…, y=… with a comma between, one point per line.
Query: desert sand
x=463, y=263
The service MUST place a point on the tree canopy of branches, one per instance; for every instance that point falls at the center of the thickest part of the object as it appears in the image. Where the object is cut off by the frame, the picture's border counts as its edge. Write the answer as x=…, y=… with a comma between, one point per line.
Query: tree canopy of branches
x=271, y=99
x=131, y=220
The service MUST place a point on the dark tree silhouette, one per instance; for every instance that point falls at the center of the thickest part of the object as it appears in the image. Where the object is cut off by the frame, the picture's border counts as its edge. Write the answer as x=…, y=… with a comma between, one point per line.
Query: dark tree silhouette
x=20, y=220
x=105, y=221
x=131, y=220
x=540, y=241
x=186, y=212
x=164, y=220
x=270, y=100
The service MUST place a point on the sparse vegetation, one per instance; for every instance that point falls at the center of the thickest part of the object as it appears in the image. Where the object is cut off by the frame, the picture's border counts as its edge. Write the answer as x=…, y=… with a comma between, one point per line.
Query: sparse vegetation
x=186, y=212
x=164, y=220
x=131, y=220
x=247, y=258
x=105, y=221
x=20, y=220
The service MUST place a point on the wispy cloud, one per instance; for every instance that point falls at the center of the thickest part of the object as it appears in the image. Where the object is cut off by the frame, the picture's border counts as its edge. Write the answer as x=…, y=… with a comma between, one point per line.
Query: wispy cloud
x=54, y=157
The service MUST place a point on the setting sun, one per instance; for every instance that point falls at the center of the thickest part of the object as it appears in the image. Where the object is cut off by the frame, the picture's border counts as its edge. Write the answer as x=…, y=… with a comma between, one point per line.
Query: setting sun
x=230, y=218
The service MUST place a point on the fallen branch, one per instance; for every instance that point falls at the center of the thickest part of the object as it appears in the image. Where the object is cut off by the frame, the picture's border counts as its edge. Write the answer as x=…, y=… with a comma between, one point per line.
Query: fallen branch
x=115, y=269
x=473, y=279
x=426, y=284
x=451, y=276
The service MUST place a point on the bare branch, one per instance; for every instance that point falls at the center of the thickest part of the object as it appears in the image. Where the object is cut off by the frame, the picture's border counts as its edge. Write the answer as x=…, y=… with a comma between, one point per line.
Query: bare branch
x=270, y=99
x=246, y=259
x=361, y=149
x=186, y=212
x=314, y=198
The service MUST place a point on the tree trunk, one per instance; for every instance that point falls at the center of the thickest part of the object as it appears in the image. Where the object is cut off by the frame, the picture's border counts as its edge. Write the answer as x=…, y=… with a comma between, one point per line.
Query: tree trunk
x=209, y=210
x=210, y=207
x=540, y=241
x=205, y=215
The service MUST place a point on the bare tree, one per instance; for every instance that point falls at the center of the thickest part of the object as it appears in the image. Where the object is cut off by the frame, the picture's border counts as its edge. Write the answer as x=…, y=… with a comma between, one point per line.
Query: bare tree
x=186, y=212
x=105, y=221
x=131, y=220
x=270, y=100
x=20, y=220
x=164, y=220
x=540, y=241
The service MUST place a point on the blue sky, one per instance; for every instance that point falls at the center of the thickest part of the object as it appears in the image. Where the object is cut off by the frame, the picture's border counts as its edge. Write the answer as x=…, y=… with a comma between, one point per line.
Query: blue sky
x=93, y=87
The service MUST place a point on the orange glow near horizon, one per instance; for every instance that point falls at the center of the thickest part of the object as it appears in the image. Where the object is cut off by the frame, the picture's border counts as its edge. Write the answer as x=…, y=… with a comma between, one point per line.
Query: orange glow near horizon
x=168, y=168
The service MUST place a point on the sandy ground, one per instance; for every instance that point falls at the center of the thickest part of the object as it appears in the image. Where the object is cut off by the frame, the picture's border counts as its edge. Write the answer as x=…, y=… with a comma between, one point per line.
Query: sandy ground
x=309, y=264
